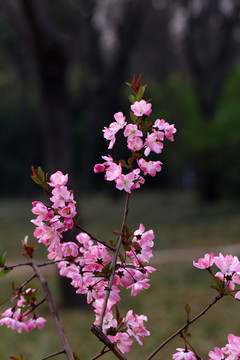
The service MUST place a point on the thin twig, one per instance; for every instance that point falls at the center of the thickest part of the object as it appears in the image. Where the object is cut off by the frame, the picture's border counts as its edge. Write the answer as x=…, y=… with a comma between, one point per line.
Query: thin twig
x=100, y=354
x=95, y=238
x=53, y=354
x=53, y=309
x=114, y=262
x=178, y=332
x=26, y=282
x=35, y=306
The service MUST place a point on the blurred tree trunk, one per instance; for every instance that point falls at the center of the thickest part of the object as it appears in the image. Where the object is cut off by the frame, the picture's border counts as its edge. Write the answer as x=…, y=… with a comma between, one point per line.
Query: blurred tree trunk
x=51, y=52
x=209, y=50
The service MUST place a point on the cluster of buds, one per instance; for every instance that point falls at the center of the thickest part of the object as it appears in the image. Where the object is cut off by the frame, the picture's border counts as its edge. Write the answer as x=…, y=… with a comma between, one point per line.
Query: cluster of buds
x=18, y=318
x=142, y=138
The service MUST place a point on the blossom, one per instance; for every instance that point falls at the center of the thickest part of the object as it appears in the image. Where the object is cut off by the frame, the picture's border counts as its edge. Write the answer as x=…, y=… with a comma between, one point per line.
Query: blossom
x=122, y=340
x=138, y=286
x=152, y=143
x=227, y=264
x=206, y=262
x=140, y=108
x=125, y=182
x=135, y=144
x=183, y=354
x=113, y=172
x=131, y=131
x=149, y=167
x=217, y=354
x=58, y=179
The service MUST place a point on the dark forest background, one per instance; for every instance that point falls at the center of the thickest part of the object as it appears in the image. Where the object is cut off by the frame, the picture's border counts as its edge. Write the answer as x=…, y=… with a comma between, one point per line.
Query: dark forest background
x=63, y=64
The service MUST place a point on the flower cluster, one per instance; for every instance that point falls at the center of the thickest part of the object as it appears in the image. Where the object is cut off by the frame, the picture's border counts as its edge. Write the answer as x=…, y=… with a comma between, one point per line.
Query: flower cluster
x=52, y=222
x=18, y=318
x=88, y=265
x=229, y=352
x=229, y=267
x=140, y=142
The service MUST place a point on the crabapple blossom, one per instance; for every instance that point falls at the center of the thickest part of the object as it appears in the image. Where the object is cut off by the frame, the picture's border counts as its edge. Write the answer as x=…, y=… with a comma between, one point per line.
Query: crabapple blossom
x=58, y=179
x=131, y=131
x=184, y=354
x=122, y=340
x=140, y=108
x=217, y=354
x=206, y=262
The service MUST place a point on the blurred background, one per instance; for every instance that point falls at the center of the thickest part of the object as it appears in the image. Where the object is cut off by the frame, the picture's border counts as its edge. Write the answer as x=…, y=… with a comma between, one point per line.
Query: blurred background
x=63, y=65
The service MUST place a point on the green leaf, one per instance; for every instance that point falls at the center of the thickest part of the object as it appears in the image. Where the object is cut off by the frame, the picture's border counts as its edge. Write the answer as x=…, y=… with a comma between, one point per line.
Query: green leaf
x=187, y=309
x=132, y=98
x=2, y=259
x=133, y=117
x=4, y=271
x=140, y=92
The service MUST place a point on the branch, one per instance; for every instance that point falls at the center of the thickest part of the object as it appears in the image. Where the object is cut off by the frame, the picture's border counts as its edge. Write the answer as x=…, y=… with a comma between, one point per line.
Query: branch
x=102, y=337
x=94, y=238
x=178, y=332
x=100, y=354
x=53, y=309
x=53, y=354
x=114, y=263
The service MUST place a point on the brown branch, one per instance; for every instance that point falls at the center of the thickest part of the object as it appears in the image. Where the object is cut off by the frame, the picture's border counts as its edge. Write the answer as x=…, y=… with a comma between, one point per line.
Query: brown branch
x=53, y=309
x=114, y=262
x=53, y=354
x=94, y=238
x=178, y=332
x=100, y=354
x=102, y=337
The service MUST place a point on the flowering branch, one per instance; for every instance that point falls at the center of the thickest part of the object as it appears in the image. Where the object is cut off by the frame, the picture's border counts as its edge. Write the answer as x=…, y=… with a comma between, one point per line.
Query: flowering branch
x=53, y=309
x=178, y=332
x=94, y=238
x=114, y=262
x=102, y=337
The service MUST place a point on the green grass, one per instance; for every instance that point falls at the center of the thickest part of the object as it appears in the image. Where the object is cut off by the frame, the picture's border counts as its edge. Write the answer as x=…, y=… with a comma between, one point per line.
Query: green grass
x=179, y=221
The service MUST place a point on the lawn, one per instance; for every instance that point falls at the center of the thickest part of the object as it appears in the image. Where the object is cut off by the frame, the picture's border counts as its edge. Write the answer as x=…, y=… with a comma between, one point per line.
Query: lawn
x=179, y=221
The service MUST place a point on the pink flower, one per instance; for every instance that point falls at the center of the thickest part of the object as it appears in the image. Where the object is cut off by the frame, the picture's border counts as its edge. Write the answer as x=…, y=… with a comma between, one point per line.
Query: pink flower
x=109, y=135
x=232, y=349
x=42, y=211
x=169, y=131
x=99, y=168
x=122, y=340
x=131, y=131
x=150, y=167
x=217, y=354
x=206, y=262
x=113, y=172
x=120, y=122
x=138, y=286
x=69, y=249
x=61, y=195
x=183, y=354
x=135, y=144
x=58, y=179
x=227, y=264
x=68, y=211
x=152, y=143
x=125, y=182
x=140, y=108
x=135, y=327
